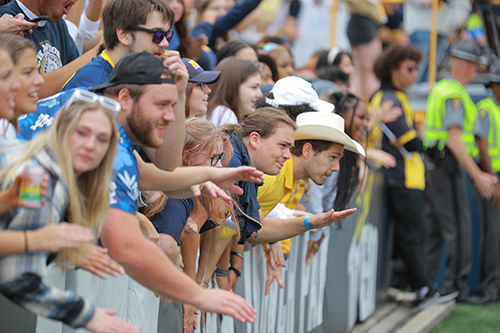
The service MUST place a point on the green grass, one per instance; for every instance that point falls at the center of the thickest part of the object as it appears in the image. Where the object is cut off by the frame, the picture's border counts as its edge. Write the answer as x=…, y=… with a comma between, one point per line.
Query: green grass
x=470, y=318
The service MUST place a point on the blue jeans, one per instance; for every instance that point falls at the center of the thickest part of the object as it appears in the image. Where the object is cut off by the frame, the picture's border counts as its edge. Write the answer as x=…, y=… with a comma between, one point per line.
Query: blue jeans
x=421, y=39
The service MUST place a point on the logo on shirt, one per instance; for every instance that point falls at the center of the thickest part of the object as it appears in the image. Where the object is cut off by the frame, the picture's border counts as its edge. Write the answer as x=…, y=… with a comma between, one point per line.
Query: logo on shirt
x=48, y=57
x=131, y=184
x=44, y=120
x=482, y=114
x=457, y=103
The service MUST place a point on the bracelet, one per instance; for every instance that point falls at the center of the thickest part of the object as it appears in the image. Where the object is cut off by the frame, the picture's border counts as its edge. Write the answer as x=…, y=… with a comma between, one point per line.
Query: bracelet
x=25, y=242
x=220, y=272
x=306, y=222
x=143, y=200
x=237, y=254
x=238, y=273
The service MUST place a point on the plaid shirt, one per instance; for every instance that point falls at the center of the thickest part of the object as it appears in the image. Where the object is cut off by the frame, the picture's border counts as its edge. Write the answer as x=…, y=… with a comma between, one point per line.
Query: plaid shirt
x=21, y=274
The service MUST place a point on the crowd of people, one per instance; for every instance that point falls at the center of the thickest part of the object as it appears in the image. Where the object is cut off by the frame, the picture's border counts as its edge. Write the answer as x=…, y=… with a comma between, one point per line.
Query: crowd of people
x=168, y=142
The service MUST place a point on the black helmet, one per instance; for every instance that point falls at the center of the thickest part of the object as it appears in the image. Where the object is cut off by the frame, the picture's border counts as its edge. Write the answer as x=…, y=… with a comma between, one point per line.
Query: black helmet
x=468, y=50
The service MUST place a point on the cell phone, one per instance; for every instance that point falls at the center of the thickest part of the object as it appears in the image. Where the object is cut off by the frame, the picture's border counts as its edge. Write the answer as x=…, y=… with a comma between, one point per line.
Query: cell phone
x=40, y=18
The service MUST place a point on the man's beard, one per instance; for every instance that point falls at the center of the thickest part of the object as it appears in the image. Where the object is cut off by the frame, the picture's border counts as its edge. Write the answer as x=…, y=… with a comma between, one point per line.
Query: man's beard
x=142, y=130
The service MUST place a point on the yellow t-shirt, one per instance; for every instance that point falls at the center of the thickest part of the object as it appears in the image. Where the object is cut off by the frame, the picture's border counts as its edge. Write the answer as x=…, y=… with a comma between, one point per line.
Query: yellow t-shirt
x=281, y=188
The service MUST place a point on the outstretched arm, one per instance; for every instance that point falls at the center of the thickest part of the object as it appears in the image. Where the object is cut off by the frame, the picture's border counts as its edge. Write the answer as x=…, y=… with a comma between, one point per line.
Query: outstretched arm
x=274, y=230
x=145, y=263
x=181, y=179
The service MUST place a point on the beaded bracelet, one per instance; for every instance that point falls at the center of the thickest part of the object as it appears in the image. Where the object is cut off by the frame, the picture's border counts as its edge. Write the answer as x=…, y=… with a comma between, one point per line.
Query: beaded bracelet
x=143, y=200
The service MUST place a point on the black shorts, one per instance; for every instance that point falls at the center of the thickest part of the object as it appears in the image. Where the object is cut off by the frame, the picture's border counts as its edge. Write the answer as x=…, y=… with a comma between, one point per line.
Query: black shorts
x=361, y=30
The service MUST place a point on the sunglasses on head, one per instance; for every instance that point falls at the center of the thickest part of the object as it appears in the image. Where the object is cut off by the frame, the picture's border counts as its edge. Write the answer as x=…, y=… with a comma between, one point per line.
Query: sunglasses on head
x=90, y=97
x=158, y=35
x=214, y=159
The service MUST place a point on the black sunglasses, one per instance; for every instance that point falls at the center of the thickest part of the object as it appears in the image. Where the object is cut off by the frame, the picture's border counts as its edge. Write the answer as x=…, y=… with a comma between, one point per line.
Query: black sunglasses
x=158, y=35
x=203, y=86
x=214, y=159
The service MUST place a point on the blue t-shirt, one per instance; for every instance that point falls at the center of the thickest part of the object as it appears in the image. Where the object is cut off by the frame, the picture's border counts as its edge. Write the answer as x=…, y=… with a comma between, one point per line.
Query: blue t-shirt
x=55, y=47
x=176, y=40
x=172, y=219
x=97, y=71
x=46, y=110
x=124, y=186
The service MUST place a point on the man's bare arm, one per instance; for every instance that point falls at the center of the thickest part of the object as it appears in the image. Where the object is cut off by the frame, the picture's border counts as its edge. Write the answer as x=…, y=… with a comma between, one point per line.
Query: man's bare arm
x=146, y=263
x=55, y=80
x=274, y=230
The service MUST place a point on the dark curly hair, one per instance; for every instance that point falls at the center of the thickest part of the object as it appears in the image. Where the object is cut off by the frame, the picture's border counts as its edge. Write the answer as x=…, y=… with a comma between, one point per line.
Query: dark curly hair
x=391, y=58
x=348, y=180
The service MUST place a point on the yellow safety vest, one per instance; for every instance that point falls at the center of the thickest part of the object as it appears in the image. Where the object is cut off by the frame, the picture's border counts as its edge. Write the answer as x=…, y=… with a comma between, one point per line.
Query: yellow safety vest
x=435, y=134
x=493, y=110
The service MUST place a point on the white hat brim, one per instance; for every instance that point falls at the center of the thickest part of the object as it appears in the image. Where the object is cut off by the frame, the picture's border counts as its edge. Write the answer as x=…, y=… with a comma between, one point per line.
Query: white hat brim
x=323, y=106
x=327, y=133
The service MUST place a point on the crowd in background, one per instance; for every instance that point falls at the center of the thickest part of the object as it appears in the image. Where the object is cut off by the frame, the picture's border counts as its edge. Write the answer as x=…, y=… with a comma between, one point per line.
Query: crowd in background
x=173, y=132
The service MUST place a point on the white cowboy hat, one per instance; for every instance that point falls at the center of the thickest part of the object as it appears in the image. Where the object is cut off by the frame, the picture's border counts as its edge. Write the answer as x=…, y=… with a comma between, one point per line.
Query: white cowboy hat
x=293, y=90
x=325, y=127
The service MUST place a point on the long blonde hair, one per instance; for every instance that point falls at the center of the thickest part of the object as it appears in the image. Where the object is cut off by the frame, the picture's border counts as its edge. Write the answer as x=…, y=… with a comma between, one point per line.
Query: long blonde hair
x=89, y=193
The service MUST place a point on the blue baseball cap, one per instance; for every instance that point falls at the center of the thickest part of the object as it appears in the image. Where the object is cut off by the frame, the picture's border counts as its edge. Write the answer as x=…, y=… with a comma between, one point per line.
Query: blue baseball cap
x=198, y=74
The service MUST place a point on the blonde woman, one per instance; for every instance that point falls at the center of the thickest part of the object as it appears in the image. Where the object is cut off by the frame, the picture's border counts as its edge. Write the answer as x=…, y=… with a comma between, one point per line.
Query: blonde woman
x=77, y=153
x=54, y=237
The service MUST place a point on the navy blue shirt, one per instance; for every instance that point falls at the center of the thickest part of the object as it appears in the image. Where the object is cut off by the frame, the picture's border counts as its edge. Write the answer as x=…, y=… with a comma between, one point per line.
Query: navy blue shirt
x=249, y=221
x=55, y=47
x=172, y=219
x=97, y=71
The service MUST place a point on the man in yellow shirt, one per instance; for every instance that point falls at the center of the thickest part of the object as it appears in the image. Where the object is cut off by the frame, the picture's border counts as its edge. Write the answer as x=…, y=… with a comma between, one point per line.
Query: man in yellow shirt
x=320, y=141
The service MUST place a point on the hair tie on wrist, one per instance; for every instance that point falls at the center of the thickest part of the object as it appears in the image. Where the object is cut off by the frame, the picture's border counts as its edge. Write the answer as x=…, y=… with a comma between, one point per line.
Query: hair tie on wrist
x=306, y=222
x=220, y=272
x=238, y=273
x=237, y=254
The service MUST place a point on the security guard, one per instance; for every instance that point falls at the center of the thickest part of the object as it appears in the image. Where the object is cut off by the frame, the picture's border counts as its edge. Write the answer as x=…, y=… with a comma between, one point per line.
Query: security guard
x=488, y=132
x=449, y=139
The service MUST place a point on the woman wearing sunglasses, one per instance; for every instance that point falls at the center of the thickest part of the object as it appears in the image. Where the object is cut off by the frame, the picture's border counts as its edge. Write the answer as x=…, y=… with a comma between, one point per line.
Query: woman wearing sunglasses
x=197, y=89
x=396, y=69
x=180, y=222
x=77, y=153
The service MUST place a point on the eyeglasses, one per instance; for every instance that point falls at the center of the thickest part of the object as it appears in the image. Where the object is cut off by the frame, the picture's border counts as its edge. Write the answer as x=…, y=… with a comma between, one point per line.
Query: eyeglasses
x=214, y=159
x=158, y=35
x=410, y=69
x=203, y=86
x=90, y=97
